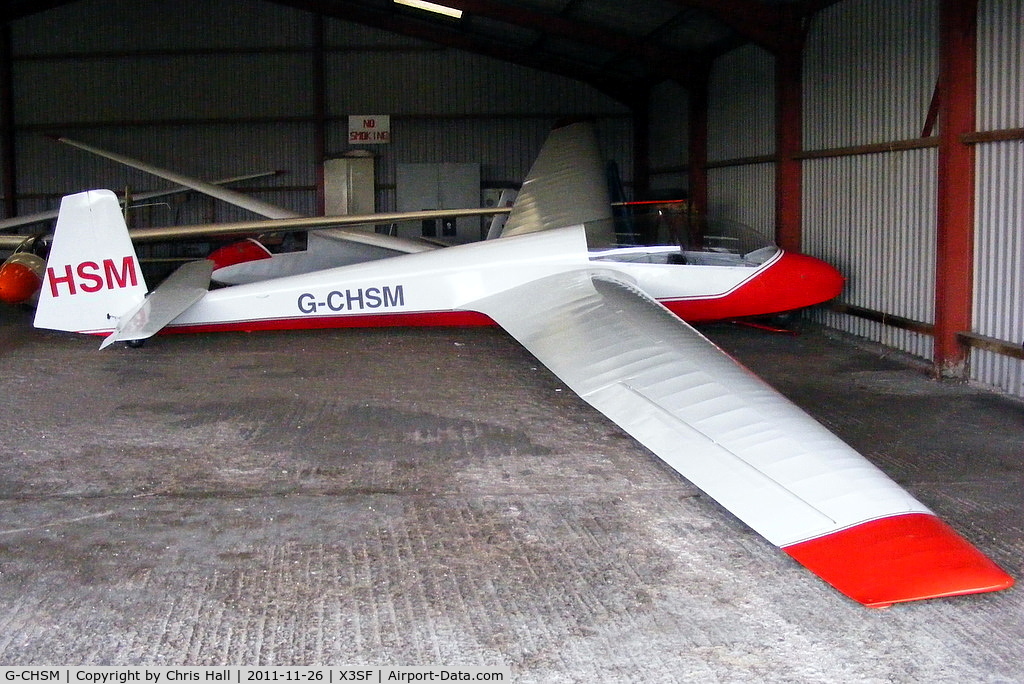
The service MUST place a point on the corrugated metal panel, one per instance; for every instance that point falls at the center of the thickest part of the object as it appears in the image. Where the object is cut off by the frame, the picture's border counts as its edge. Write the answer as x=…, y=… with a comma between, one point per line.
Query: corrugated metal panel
x=999, y=204
x=741, y=107
x=485, y=110
x=635, y=19
x=207, y=152
x=669, y=137
x=674, y=185
x=615, y=136
x=999, y=262
x=504, y=148
x=669, y=125
x=236, y=85
x=343, y=34
x=873, y=217
x=891, y=215
x=452, y=82
x=870, y=69
x=129, y=25
x=745, y=194
x=1000, y=64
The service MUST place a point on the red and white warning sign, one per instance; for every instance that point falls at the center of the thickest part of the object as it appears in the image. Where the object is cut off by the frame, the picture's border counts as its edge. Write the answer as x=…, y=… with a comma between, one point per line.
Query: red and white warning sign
x=371, y=129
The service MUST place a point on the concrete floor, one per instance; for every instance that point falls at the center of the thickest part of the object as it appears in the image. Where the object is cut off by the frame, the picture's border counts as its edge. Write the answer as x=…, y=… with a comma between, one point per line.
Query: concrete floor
x=434, y=497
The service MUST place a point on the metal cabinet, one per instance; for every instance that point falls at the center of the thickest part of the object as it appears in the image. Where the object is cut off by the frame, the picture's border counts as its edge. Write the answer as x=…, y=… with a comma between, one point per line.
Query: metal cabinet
x=439, y=186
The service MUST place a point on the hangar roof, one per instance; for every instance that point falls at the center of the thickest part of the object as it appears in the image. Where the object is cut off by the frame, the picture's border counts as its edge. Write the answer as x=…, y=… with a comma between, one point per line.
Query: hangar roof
x=620, y=47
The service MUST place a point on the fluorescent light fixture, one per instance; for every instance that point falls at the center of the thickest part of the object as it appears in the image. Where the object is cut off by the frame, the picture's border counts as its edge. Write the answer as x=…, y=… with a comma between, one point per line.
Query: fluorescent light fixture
x=432, y=7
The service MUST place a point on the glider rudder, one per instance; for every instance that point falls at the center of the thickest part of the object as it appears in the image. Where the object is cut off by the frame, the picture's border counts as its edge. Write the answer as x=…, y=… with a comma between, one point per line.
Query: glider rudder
x=92, y=275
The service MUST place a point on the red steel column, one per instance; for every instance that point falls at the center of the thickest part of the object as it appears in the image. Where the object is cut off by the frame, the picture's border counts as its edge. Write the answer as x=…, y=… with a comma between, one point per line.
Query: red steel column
x=788, y=143
x=954, y=268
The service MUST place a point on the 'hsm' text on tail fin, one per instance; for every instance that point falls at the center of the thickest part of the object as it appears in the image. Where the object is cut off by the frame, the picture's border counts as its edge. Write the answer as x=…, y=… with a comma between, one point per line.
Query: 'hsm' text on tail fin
x=92, y=273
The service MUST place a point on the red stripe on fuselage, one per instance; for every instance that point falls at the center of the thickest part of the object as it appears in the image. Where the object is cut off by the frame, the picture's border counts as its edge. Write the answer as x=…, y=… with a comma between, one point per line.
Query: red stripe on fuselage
x=418, y=319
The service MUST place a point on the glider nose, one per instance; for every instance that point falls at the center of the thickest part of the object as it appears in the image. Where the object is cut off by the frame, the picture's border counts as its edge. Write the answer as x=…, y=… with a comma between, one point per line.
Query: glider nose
x=805, y=281
x=238, y=253
x=20, y=278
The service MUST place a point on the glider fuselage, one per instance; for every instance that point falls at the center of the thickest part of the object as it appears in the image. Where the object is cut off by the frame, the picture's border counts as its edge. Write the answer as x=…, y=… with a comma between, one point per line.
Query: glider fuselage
x=397, y=291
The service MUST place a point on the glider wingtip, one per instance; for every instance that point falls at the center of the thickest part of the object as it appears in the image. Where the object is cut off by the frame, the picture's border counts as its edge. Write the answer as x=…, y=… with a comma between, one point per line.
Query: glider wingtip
x=909, y=557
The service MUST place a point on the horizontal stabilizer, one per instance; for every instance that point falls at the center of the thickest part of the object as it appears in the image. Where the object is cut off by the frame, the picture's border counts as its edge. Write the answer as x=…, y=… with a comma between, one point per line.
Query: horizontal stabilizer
x=182, y=289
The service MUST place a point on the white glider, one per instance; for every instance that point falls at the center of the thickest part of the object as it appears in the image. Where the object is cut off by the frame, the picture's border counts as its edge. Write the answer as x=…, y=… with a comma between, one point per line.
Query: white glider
x=599, y=324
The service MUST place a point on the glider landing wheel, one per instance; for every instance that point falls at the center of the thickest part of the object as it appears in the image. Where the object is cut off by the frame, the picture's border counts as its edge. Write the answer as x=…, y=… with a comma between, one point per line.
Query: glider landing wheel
x=134, y=344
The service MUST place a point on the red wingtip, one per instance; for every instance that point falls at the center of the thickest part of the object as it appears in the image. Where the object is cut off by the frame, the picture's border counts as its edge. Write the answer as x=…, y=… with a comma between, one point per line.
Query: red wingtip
x=900, y=558
x=238, y=253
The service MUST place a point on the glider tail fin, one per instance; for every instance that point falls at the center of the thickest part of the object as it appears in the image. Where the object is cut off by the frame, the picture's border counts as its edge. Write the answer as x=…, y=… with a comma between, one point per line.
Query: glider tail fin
x=92, y=273
x=566, y=186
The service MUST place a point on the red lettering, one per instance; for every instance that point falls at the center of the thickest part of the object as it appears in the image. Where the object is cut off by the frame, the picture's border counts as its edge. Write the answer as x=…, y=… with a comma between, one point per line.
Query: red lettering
x=56, y=280
x=93, y=278
x=121, y=279
x=89, y=278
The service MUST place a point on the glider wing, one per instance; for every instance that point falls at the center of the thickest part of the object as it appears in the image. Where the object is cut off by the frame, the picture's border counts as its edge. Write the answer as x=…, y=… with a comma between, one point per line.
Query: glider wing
x=741, y=442
x=232, y=197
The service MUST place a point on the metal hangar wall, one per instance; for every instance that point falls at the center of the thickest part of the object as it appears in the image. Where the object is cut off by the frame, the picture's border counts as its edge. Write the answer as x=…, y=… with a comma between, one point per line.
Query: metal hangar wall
x=870, y=133
x=216, y=89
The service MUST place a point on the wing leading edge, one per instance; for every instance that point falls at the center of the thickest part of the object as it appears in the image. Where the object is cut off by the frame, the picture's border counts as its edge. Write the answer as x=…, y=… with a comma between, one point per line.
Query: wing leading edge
x=741, y=442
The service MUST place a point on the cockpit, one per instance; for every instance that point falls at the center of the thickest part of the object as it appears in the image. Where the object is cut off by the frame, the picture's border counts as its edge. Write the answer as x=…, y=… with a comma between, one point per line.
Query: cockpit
x=670, y=235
